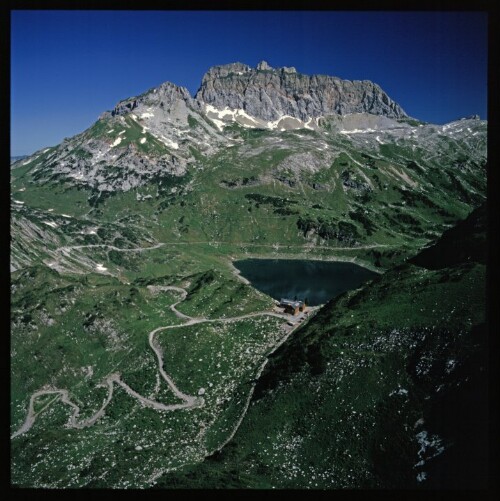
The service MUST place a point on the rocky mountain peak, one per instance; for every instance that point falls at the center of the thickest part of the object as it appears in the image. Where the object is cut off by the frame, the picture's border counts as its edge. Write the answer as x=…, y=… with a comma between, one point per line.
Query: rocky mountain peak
x=164, y=95
x=225, y=70
x=269, y=94
x=263, y=65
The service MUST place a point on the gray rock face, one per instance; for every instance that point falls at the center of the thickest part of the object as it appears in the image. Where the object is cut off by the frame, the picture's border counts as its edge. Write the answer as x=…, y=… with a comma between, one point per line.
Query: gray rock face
x=224, y=71
x=263, y=66
x=142, y=138
x=164, y=132
x=164, y=96
x=268, y=93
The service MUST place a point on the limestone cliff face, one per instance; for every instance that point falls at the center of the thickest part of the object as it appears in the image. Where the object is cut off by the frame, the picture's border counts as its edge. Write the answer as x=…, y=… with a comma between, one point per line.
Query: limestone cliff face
x=268, y=94
x=165, y=132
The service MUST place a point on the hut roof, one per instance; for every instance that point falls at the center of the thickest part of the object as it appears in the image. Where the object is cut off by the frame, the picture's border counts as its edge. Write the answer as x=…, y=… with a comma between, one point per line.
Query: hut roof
x=292, y=303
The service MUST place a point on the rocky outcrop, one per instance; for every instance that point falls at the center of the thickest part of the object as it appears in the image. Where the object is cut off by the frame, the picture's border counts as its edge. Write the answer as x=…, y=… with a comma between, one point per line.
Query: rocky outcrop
x=164, y=96
x=268, y=93
x=164, y=132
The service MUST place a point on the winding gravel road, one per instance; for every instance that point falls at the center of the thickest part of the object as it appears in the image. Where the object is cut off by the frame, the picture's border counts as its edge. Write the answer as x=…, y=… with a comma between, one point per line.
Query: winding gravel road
x=189, y=402
x=112, y=247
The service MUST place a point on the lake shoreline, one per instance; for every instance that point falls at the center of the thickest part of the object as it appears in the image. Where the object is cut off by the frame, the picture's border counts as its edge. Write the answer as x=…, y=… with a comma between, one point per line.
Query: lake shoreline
x=306, y=257
x=317, y=280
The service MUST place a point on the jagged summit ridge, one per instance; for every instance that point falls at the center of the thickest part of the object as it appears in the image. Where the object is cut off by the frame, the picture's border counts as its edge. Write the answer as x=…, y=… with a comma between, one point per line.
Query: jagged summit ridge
x=268, y=94
x=166, y=132
x=266, y=97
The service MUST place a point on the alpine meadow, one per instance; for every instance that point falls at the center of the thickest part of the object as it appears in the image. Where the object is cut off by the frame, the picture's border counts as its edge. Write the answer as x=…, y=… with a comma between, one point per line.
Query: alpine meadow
x=142, y=357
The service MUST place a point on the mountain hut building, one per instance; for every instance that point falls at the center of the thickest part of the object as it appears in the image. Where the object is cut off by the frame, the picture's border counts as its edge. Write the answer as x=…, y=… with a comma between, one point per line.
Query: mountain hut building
x=292, y=307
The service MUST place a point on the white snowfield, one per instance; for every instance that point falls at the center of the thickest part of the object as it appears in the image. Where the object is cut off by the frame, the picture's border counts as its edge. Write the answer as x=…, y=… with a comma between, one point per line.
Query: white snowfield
x=224, y=117
x=51, y=223
x=31, y=159
x=357, y=131
x=455, y=128
x=18, y=201
x=100, y=267
x=117, y=142
x=165, y=140
x=275, y=124
x=169, y=142
x=219, y=123
x=122, y=132
x=143, y=140
x=147, y=115
x=307, y=125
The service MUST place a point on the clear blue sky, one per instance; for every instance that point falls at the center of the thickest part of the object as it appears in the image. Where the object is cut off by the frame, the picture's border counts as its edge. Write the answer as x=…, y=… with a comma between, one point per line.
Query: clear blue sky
x=67, y=67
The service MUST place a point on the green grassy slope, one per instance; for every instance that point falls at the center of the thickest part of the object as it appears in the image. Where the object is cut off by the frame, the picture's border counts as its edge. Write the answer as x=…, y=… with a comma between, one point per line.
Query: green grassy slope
x=385, y=388
x=82, y=308
x=289, y=192
x=76, y=331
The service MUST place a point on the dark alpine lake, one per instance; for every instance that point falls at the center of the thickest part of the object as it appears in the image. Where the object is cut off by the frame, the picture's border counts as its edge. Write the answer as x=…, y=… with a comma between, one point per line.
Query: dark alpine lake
x=316, y=281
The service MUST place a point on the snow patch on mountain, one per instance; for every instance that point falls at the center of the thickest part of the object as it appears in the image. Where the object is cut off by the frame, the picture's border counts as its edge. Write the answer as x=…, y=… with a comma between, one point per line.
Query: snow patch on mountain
x=357, y=131
x=168, y=142
x=224, y=117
